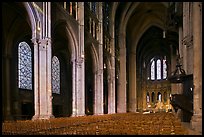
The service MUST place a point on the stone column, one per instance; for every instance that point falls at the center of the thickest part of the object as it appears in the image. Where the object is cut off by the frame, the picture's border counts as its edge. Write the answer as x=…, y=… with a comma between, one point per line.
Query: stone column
x=113, y=59
x=74, y=99
x=79, y=95
x=184, y=49
x=42, y=66
x=6, y=91
x=43, y=94
x=121, y=95
x=112, y=73
x=185, y=35
x=196, y=121
x=78, y=66
x=98, y=99
x=98, y=106
x=144, y=96
x=49, y=77
x=36, y=82
x=132, y=84
x=77, y=10
x=111, y=92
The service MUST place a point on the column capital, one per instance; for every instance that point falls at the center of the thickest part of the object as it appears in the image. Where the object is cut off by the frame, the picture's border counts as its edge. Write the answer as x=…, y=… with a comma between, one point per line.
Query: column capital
x=43, y=41
x=79, y=62
x=35, y=41
x=48, y=39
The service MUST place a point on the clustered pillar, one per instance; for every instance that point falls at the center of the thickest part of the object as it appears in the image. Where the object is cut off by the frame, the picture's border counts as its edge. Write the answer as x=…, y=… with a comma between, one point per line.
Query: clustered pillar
x=42, y=67
x=196, y=121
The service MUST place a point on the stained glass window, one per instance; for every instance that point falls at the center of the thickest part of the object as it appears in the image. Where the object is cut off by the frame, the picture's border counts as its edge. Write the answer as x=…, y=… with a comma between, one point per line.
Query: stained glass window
x=55, y=75
x=161, y=68
x=164, y=69
x=158, y=69
x=24, y=66
x=153, y=70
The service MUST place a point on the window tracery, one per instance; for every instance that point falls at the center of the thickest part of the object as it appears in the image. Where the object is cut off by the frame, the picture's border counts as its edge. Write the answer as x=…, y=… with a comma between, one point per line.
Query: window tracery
x=158, y=69
x=55, y=75
x=24, y=66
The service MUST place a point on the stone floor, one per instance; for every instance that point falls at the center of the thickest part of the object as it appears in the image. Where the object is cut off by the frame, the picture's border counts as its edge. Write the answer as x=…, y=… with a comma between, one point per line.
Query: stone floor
x=109, y=124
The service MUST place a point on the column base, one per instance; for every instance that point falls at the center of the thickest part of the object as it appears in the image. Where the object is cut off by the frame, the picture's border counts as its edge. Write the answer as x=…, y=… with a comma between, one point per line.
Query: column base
x=83, y=114
x=37, y=117
x=97, y=114
x=196, y=123
x=111, y=112
x=119, y=110
x=133, y=110
x=78, y=115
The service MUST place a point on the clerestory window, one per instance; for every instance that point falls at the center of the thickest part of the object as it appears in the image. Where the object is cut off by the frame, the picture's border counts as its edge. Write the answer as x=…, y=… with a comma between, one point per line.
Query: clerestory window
x=158, y=69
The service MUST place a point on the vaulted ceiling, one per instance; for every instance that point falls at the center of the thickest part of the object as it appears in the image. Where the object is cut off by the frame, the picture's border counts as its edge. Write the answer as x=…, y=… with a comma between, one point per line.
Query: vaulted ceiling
x=144, y=29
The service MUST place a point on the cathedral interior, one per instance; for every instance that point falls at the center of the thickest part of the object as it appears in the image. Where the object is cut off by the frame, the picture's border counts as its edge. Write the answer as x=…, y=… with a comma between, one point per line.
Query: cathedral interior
x=70, y=59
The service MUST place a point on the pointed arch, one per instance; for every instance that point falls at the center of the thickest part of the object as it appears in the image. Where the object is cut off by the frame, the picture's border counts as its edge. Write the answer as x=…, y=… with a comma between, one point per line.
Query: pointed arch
x=70, y=36
x=33, y=16
x=95, y=57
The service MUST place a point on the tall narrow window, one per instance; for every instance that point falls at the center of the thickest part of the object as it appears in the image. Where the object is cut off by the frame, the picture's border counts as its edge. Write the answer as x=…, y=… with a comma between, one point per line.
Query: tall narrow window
x=158, y=69
x=164, y=69
x=55, y=75
x=148, y=97
x=159, y=97
x=153, y=70
x=24, y=66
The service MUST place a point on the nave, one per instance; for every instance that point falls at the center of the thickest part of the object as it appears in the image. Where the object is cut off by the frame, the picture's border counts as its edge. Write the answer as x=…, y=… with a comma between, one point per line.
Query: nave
x=161, y=123
x=95, y=58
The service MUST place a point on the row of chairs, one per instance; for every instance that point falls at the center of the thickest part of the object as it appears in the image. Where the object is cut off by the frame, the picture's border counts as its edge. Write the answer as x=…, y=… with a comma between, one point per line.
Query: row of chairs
x=108, y=124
